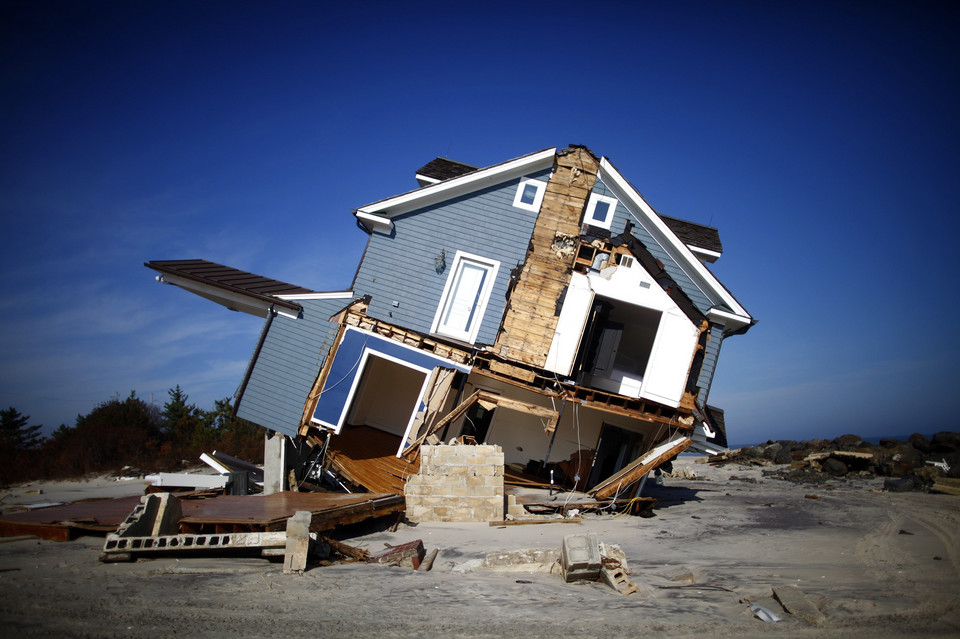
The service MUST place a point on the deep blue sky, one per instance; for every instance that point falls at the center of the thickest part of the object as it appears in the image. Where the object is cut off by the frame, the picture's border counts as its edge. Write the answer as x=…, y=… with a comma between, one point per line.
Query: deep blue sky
x=821, y=138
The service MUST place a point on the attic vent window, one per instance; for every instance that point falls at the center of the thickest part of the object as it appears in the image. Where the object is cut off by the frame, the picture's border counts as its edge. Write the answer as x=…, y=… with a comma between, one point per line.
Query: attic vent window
x=529, y=194
x=600, y=210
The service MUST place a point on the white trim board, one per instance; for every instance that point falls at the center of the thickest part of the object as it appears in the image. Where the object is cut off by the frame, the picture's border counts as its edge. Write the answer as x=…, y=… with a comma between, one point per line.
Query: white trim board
x=462, y=185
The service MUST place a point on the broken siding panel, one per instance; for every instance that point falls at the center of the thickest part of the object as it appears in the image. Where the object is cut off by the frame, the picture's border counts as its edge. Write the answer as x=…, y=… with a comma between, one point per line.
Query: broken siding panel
x=402, y=267
x=710, y=355
x=292, y=354
x=620, y=218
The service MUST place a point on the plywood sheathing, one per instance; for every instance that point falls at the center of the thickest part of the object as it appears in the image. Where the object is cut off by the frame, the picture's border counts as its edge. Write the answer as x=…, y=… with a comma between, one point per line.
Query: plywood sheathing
x=531, y=316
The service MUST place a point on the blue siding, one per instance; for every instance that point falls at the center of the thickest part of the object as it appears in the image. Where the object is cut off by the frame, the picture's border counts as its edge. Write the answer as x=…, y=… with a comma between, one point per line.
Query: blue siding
x=293, y=352
x=620, y=219
x=710, y=356
x=401, y=267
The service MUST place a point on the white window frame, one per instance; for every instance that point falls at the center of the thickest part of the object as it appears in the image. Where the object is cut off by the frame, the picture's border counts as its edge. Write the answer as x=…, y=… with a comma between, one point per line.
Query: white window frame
x=537, y=199
x=590, y=218
x=483, y=297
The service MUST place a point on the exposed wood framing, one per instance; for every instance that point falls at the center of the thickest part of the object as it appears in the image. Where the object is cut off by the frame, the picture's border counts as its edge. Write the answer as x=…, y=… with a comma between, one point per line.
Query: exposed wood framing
x=490, y=398
x=410, y=338
x=640, y=467
x=530, y=319
x=355, y=315
x=632, y=407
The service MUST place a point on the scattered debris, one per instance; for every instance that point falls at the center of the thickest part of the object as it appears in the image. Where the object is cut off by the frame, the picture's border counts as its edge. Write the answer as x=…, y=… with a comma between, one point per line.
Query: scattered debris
x=410, y=555
x=764, y=614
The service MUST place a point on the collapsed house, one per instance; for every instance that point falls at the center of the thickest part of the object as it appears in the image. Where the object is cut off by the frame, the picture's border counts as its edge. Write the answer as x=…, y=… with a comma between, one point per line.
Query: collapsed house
x=540, y=304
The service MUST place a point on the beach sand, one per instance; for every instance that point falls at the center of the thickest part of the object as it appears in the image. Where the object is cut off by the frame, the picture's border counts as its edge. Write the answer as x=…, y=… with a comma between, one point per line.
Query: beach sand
x=863, y=562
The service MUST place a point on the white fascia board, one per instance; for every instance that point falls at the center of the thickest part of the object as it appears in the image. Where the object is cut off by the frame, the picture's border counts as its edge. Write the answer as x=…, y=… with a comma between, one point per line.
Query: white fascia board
x=233, y=301
x=424, y=180
x=728, y=320
x=711, y=256
x=703, y=278
x=331, y=295
x=462, y=185
x=376, y=222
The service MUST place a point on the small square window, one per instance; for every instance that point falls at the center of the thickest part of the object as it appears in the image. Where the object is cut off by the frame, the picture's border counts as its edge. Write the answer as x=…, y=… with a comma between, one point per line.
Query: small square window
x=600, y=210
x=529, y=194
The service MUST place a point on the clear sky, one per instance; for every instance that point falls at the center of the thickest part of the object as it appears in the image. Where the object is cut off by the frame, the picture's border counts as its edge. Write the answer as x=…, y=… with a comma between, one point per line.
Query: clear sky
x=820, y=138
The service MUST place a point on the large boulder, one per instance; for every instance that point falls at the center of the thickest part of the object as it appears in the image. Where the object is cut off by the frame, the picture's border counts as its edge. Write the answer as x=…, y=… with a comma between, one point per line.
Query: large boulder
x=945, y=442
x=919, y=442
x=833, y=466
x=848, y=442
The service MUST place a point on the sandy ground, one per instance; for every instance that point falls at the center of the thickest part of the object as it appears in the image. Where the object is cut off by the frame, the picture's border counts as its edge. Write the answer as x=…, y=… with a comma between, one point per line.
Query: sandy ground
x=872, y=564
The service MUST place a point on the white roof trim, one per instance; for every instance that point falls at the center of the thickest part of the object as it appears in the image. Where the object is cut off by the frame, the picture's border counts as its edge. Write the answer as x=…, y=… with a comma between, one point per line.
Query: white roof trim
x=462, y=185
x=701, y=276
x=379, y=223
x=231, y=299
x=331, y=295
x=727, y=319
x=426, y=179
x=705, y=252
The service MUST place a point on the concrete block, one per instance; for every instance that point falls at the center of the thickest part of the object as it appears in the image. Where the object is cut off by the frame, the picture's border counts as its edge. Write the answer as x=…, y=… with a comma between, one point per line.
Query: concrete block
x=298, y=542
x=580, y=557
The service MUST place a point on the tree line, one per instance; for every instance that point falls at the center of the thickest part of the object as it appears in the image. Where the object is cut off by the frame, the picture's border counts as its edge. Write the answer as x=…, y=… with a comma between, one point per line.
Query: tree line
x=125, y=432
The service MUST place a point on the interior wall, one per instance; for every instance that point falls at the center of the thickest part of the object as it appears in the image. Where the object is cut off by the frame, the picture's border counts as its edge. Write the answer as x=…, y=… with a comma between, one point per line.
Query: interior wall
x=387, y=395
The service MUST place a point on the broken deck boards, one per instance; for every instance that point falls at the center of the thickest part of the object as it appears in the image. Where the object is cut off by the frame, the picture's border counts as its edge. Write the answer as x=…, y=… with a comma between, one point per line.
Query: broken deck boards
x=270, y=512
x=367, y=457
x=63, y=523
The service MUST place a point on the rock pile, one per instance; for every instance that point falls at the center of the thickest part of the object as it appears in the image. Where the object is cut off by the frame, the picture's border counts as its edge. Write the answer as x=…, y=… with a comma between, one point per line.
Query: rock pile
x=915, y=464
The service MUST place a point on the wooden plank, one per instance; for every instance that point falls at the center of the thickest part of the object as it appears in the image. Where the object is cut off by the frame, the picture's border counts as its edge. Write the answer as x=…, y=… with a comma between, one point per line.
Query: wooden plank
x=640, y=466
x=452, y=415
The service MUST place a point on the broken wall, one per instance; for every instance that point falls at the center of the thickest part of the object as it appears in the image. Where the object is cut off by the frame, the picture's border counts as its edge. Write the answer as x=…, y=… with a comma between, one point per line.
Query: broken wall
x=456, y=483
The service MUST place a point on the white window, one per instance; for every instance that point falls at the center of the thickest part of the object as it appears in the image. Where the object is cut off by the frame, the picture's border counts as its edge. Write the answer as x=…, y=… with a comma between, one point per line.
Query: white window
x=529, y=194
x=465, y=297
x=600, y=210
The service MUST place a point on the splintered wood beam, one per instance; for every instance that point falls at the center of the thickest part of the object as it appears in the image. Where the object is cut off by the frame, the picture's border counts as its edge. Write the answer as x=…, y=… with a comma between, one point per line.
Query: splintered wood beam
x=523, y=407
x=452, y=415
x=640, y=467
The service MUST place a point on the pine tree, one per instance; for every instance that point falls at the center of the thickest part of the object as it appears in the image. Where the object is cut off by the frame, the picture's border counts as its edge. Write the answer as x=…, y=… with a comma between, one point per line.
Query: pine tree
x=15, y=434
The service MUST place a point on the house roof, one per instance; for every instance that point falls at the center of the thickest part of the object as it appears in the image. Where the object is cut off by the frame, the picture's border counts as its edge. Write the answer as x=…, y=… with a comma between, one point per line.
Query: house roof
x=237, y=290
x=691, y=233
x=695, y=235
x=440, y=169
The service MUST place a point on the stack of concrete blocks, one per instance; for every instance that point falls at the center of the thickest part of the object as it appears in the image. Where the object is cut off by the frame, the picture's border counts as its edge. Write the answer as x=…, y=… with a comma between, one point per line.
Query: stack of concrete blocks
x=456, y=483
